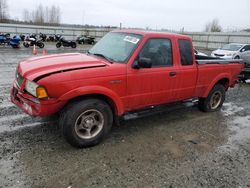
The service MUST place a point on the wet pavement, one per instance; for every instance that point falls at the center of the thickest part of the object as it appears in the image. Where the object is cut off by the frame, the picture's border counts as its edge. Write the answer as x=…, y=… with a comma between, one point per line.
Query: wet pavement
x=181, y=148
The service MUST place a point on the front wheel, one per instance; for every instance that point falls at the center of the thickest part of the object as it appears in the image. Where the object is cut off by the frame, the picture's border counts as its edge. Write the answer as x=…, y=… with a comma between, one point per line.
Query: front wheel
x=26, y=45
x=214, y=100
x=58, y=45
x=85, y=123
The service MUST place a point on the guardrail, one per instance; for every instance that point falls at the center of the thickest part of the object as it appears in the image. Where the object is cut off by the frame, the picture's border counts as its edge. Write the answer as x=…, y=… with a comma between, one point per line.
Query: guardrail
x=207, y=40
x=203, y=40
x=68, y=32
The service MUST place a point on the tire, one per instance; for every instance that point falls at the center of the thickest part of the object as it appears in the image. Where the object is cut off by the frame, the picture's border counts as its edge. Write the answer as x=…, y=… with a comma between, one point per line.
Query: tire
x=58, y=45
x=237, y=57
x=214, y=100
x=40, y=45
x=73, y=45
x=26, y=45
x=91, y=130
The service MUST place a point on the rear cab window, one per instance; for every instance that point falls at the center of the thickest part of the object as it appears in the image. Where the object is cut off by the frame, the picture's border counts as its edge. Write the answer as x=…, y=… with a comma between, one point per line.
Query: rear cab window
x=186, y=52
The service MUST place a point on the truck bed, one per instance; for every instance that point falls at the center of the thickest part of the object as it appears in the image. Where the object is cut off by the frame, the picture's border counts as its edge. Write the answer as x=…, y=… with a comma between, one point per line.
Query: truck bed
x=200, y=60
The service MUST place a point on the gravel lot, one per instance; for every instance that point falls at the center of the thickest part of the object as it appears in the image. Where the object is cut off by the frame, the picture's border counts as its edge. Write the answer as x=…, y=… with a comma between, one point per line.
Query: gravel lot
x=181, y=148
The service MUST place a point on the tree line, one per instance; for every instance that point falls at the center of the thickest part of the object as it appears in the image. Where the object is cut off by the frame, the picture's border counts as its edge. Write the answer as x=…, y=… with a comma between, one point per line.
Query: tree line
x=3, y=11
x=43, y=15
x=40, y=15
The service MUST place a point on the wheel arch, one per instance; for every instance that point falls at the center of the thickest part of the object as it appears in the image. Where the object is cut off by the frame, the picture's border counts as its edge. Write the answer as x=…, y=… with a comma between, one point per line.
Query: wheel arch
x=110, y=97
x=223, y=80
x=102, y=97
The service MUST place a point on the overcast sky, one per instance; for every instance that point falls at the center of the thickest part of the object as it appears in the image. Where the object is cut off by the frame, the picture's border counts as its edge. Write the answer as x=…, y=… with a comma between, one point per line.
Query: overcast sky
x=168, y=14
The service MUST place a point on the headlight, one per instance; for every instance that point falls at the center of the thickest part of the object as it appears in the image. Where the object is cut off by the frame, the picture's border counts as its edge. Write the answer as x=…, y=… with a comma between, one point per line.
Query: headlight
x=36, y=90
x=231, y=54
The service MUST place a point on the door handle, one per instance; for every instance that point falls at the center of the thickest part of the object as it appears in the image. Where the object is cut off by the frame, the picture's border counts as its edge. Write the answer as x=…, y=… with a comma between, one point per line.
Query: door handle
x=172, y=74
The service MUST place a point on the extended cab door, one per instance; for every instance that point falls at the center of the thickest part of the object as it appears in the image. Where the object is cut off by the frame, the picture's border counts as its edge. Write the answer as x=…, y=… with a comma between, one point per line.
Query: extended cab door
x=187, y=72
x=155, y=85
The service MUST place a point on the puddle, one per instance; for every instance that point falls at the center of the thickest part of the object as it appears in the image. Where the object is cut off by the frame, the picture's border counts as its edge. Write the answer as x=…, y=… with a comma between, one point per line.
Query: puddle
x=229, y=109
x=6, y=105
x=240, y=129
x=12, y=118
x=7, y=174
x=238, y=126
x=8, y=128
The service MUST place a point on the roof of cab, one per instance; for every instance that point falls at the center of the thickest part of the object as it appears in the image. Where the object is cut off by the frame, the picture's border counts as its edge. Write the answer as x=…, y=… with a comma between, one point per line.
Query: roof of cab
x=152, y=33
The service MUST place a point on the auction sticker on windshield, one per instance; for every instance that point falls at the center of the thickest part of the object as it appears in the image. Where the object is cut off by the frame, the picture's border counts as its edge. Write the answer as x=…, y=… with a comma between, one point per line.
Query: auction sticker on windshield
x=133, y=40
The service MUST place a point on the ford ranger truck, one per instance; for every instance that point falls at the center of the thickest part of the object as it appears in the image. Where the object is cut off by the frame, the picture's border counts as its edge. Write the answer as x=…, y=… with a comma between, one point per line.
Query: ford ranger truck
x=126, y=72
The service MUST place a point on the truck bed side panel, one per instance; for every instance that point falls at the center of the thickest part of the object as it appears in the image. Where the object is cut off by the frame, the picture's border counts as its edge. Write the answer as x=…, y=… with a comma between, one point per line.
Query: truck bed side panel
x=210, y=74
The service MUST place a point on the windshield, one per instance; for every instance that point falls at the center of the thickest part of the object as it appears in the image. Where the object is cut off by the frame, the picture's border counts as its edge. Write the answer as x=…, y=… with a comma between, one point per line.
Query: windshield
x=231, y=47
x=116, y=46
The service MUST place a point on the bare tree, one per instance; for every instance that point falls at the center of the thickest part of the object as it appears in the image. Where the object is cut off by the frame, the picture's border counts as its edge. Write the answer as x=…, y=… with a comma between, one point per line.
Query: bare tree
x=43, y=15
x=54, y=15
x=3, y=11
x=46, y=14
x=39, y=15
x=26, y=16
x=213, y=26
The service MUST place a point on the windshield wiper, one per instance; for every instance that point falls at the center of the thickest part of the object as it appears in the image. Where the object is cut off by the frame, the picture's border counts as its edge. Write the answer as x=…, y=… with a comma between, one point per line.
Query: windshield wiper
x=103, y=56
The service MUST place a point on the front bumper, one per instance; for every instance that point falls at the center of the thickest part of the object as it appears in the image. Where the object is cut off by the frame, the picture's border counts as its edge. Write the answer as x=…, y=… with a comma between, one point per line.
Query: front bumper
x=222, y=56
x=34, y=106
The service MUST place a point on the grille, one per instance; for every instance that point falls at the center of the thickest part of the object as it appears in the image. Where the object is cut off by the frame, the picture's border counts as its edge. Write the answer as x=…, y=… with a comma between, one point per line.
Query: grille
x=19, y=79
x=219, y=55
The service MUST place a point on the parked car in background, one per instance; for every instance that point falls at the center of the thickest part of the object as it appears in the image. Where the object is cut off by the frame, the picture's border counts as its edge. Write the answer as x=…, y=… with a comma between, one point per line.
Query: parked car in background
x=245, y=56
x=228, y=51
x=196, y=52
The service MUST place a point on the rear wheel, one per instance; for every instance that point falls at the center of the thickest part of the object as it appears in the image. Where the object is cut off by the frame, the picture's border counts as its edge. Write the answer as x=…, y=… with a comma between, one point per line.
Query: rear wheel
x=86, y=123
x=214, y=100
x=26, y=45
x=237, y=57
x=73, y=45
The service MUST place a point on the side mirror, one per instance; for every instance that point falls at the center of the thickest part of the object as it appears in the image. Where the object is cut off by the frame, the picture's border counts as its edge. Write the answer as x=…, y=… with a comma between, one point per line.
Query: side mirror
x=243, y=50
x=143, y=62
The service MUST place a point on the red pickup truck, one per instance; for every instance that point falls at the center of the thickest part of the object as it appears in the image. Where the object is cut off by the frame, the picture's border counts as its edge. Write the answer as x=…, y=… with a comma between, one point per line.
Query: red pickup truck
x=126, y=72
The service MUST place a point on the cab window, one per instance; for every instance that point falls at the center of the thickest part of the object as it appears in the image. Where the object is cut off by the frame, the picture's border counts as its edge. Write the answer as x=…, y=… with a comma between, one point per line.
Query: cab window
x=159, y=51
x=186, y=52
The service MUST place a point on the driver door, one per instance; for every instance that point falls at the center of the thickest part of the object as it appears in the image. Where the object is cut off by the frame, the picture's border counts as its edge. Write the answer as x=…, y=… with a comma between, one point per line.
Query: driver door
x=155, y=85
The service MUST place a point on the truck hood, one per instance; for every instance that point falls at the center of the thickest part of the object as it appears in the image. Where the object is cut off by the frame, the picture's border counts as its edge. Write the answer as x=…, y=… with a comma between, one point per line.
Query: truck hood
x=35, y=67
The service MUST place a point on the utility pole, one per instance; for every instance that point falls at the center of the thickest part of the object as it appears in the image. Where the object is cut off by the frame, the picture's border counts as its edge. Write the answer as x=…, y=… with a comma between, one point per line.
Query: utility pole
x=83, y=15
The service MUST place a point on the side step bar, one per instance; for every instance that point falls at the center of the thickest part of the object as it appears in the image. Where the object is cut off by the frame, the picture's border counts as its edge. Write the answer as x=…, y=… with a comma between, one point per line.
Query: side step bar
x=158, y=109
